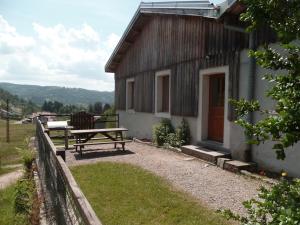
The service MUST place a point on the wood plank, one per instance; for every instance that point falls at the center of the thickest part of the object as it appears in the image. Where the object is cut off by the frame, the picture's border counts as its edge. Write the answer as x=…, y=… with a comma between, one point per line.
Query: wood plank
x=92, y=131
x=103, y=143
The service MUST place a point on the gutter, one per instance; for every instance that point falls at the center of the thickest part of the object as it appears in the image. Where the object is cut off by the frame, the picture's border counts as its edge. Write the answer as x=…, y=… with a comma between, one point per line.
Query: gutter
x=247, y=155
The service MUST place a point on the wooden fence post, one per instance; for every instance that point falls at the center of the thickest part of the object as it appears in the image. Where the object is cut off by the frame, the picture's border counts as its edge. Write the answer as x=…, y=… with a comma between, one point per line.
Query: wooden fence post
x=7, y=122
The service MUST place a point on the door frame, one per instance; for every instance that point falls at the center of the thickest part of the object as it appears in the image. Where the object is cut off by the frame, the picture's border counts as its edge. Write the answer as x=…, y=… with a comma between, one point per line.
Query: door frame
x=202, y=120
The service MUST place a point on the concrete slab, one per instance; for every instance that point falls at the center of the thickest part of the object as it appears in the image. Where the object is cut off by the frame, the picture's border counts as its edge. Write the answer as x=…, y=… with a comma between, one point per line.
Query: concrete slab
x=236, y=166
x=221, y=162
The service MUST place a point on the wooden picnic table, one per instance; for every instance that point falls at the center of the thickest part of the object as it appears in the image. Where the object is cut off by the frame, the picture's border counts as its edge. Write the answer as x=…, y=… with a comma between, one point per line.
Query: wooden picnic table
x=60, y=126
x=113, y=135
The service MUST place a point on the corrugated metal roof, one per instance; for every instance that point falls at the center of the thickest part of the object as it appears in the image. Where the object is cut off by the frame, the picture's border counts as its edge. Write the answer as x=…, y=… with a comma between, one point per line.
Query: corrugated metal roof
x=201, y=8
x=196, y=8
x=178, y=4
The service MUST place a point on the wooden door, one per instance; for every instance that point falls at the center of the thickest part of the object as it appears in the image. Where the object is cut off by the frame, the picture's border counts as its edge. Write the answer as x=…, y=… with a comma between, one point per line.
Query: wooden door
x=216, y=107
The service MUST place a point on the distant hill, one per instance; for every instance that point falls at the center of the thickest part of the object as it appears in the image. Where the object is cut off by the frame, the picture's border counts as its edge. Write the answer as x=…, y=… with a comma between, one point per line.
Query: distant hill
x=75, y=96
x=17, y=105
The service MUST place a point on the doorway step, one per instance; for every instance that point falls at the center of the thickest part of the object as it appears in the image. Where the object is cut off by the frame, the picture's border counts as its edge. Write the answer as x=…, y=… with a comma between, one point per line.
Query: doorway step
x=204, y=153
x=220, y=158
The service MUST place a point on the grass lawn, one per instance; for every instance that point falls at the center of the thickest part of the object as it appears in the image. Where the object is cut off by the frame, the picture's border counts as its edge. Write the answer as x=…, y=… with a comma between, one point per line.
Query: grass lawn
x=123, y=194
x=19, y=204
x=9, y=154
x=6, y=206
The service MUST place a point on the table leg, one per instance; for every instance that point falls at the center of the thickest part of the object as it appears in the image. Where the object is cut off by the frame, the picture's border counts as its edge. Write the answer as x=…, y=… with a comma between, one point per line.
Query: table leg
x=116, y=139
x=123, y=144
x=76, y=141
x=66, y=139
x=80, y=147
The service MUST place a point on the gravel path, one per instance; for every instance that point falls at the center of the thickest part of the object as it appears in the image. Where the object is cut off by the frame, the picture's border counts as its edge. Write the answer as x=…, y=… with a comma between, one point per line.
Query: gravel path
x=10, y=178
x=209, y=184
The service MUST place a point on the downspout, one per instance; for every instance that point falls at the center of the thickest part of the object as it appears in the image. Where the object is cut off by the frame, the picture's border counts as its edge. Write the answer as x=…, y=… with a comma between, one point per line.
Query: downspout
x=247, y=156
x=251, y=91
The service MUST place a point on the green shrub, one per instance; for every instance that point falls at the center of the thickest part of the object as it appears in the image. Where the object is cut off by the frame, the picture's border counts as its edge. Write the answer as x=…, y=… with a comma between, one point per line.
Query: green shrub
x=183, y=133
x=109, y=114
x=161, y=131
x=21, y=219
x=28, y=158
x=23, y=200
x=110, y=111
x=173, y=140
x=164, y=134
x=278, y=205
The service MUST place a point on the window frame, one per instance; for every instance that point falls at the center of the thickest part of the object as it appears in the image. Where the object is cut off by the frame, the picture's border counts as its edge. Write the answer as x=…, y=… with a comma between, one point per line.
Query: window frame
x=128, y=81
x=158, y=95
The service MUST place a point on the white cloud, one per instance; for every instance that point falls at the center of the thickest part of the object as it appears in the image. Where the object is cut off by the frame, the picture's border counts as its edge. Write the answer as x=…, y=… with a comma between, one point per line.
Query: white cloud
x=112, y=41
x=11, y=41
x=56, y=56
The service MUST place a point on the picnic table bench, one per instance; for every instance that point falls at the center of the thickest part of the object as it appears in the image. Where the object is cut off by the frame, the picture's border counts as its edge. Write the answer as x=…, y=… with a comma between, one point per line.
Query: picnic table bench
x=111, y=136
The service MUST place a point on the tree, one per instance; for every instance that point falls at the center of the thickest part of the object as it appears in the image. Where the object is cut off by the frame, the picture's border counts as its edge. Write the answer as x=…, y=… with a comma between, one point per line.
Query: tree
x=57, y=106
x=45, y=106
x=279, y=204
x=106, y=107
x=109, y=111
x=91, y=108
x=281, y=124
x=98, y=108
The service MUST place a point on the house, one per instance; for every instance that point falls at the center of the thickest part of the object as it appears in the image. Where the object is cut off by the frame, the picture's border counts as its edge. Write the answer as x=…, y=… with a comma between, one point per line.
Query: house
x=187, y=59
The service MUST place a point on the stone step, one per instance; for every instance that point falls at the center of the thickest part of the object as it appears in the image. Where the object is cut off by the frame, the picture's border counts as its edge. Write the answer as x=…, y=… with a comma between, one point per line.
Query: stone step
x=213, y=145
x=236, y=166
x=203, y=153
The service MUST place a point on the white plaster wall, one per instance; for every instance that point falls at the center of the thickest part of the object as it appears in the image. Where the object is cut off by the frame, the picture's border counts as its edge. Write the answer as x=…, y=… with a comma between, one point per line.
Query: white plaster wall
x=140, y=124
x=238, y=144
x=263, y=154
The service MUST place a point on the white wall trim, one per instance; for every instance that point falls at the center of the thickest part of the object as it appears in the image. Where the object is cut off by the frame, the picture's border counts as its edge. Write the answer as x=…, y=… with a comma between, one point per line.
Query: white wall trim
x=127, y=100
x=202, y=127
x=157, y=75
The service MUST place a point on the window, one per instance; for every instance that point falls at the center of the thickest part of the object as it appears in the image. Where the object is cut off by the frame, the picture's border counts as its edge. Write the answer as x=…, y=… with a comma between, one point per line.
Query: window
x=165, y=94
x=130, y=94
x=162, y=94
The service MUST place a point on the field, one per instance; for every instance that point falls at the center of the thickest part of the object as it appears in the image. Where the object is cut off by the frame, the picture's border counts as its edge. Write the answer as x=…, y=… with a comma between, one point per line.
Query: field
x=11, y=153
x=128, y=195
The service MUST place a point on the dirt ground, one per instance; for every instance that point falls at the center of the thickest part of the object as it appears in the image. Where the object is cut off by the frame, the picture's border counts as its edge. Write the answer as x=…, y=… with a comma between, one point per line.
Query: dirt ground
x=10, y=178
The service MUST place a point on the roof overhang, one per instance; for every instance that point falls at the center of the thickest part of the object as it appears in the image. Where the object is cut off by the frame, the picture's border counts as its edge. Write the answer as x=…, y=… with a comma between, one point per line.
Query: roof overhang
x=231, y=7
x=145, y=11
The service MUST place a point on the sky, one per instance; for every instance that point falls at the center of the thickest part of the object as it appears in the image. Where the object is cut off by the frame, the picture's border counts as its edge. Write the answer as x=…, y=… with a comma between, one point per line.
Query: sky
x=61, y=42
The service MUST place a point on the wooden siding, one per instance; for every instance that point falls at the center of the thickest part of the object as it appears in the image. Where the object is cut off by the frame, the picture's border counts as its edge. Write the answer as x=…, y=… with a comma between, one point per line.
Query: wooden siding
x=144, y=92
x=185, y=45
x=120, y=93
